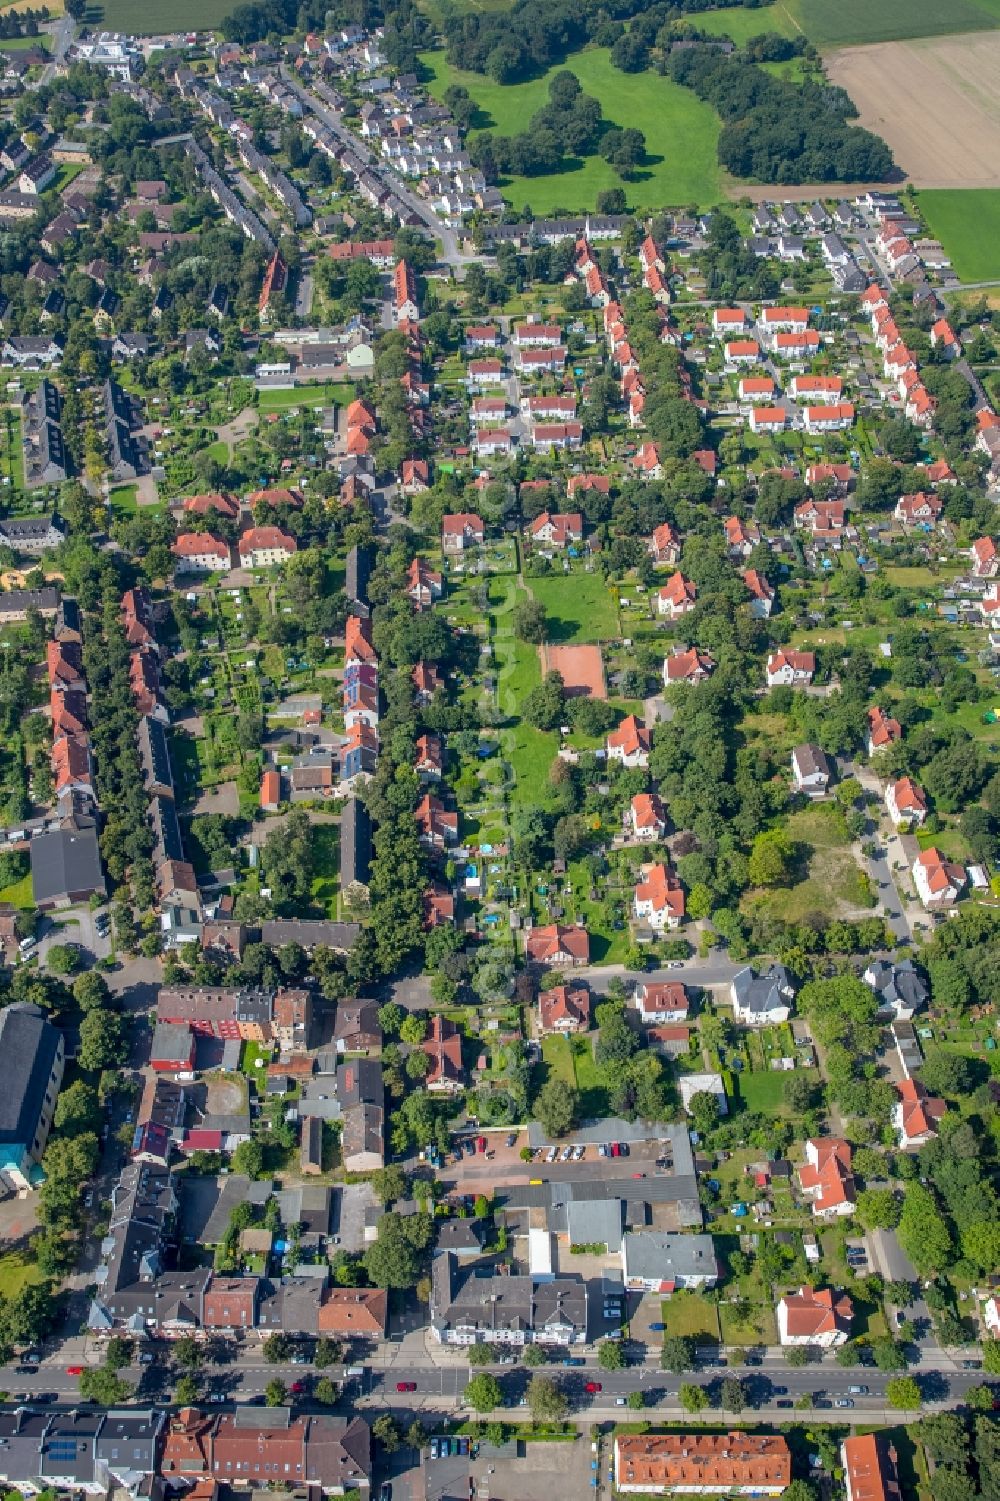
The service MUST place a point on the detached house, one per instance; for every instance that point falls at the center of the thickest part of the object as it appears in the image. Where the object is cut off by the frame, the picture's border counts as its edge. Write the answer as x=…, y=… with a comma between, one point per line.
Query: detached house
x=665, y=544
x=557, y=529
x=423, y=584
x=564, y=1008
x=461, y=530
x=985, y=558
x=677, y=597
x=687, y=665
x=660, y=1003
x=811, y=1317
x=762, y=1000
x=443, y=1047
x=629, y=745
x=826, y=1177
x=658, y=900
x=882, y=730
x=915, y=1114
x=900, y=989
x=646, y=819
x=906, y=802
x=922, y=509
x=938, y=881
x=558, y=946
x=761, y=594
x=436, y=826
x=789, y=668
x=811, y=770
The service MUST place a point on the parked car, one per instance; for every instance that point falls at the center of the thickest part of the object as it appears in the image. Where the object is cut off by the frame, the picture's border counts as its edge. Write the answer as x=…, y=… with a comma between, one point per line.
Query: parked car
x=74, y=1370
x=843, y=1402
x=593, y=1387
x=657, y=1327
x=406, y=1386
x=512, y=1139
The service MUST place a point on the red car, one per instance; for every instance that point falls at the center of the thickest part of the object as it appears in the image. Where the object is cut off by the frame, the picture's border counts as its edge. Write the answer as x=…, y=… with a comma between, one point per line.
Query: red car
x=616, y=1150
x=593, y=1386
x=74, y=1370
x=406, y=1386
x=481, y=1144
x=297, y=1387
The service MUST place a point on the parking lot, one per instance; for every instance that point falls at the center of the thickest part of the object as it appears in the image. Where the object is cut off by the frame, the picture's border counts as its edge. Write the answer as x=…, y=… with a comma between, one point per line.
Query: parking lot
x=512, y=1472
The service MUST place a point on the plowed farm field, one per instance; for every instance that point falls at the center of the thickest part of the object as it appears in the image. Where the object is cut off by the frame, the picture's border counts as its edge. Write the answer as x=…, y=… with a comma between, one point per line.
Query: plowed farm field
x=935, y=101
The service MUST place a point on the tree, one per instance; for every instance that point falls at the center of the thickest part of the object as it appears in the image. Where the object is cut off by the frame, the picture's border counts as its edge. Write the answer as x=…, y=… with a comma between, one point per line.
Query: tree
x=772, y=859
x=529, y=620
x=483, y=1392
x=480, y=1354
x=62, y=959
x=733, y=1397
x=275, y=1393
x=416, y=1435
x=703, y=1109
x=534, y=1355
x=903, y=1393
x=249, y=1159
x=414, y=1029
x=677, y=1354
x=980, y=1398
x=797, y=1355
x=328, y=1352
x=636, y=1401
x=923, y=1233
x=888, y=1354
x=104, y=1386
x=878, y=1209
x=187, y=1352
x=389, y=1183
x=277, y=1349
x=325, y=1391
x=386, y=1430
x=556, y=1107
x=848, y=1355
x=78, y=1109
x=102, y=1041
x=118, y=1353
x=610, y=1356
x=693, y=1398
x=187, y=1390
x=547, y=1400
x=90, y=991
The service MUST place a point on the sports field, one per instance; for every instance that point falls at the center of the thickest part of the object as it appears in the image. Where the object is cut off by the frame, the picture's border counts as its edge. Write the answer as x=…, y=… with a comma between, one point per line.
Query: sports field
x=968, y=225
x=681, y=134
x=149, y=17
x=935, y=103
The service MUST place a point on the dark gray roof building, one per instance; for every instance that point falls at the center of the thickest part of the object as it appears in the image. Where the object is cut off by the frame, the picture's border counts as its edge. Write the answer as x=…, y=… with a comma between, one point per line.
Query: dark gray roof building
x=472, y=1303
x=355, y=847
x=65, y=867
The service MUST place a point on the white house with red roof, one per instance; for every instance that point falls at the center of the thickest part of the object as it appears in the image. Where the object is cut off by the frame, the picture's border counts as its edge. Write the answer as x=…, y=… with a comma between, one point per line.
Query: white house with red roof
x=815, y=1317
x=795, y=345
x=264, y=546
x=768, y=419
x=906, y=802
x=677, y=597
x=423, y=584
x=658, y=900
x=985, y=558
x=559, y=946
x=443, y=1046
x=882, y=730
x=921, y=509
x=490, y=441
x=557, y=529
x=791, y=669
x=728, y=320
x=687, y=665
x=665, y=544
x=915, y=1115
x=564, y=1008
x=647, y=461
x=755, y=390
x=939, y=882
x=629, y=745
x=775, y=320
x=741, y=536
x=742, y=352
x=838, y=475
x=461, y=529
x=436, y=826
x=536, y=335
x=200, y=552
x=761, y=594
x=660, y=1002
x=944, y=335
x=815, y=388
x=826, y=1177
x=833, y=418
x=646, y=819
x=824, y=518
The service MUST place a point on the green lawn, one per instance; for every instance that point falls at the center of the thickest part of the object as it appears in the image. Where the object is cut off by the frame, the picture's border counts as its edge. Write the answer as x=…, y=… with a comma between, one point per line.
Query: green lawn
x=580, y=607
x=681, y=134
x=747, y=1326
x=19, y=895
x=278, y=399
x=558, y=1059
x=125, y=501
x=688, y=1313
x=593, y=1093
x=326, y=883
x=22, y=43
x=831, y=880
x=738, y=23
x=764, y=1092
x=967, y=222
x=16, y=1271
x=142, y=19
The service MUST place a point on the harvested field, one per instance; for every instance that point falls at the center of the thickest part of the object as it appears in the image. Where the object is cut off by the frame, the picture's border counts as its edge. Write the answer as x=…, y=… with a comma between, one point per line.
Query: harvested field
x=580, y=667
x=934, y=101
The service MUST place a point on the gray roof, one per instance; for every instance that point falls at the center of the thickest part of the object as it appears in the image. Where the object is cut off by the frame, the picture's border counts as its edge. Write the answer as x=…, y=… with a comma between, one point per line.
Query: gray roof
x=355, y=844
x=595, y=1222
x=478, y=1296
x=340, y=936
x=811, y=760
x=17, y=601
x=897, y=983
x=651, y=1253
x=65, y=862
x=762, y=993
x=171, y=1043
x=154, y=754
x=593, y=1132
x=206, y=1204
x=29, y=1045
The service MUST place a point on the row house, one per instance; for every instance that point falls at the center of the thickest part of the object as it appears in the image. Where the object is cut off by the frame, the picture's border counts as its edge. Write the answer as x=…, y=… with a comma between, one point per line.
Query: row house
x=834, y=418
x=755, y=390
x=405, y=304
x=540, y=360
x=724, y=1464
